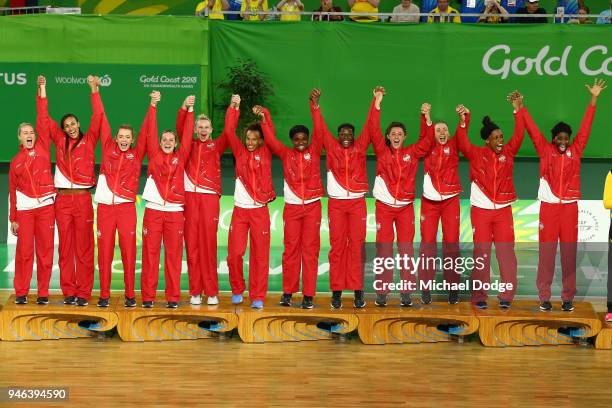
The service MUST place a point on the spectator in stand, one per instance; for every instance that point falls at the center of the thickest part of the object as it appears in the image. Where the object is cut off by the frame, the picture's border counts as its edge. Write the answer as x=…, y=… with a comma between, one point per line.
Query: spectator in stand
x=400, y=11
x=531, y=7
x=493, y=7
x=212, y=6
x=471, y=7
x=581, y=20
x=327, y=6
x=364, y=6
x=290, y=6
x=234, y=5
x=605, y=17
x=252, y=6
x=444, y=14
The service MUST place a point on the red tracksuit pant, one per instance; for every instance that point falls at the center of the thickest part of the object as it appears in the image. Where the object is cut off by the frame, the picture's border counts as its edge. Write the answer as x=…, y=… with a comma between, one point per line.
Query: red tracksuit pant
x=201, y=224
x=119, y=218
x=254, y=223
x=158, y=226
x=347, y=233
x=433, y=213
x=558, y=222
x=403, y=219
x=493, y=226
x=302, y=244
x=36, y=227
x=74, y=216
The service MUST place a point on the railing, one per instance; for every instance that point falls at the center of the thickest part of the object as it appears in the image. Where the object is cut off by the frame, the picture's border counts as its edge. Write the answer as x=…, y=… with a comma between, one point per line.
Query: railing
x=10, y=11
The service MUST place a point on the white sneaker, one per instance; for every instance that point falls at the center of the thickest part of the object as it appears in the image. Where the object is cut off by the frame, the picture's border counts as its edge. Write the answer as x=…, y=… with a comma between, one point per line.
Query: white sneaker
x=212, y=300
x=196, y=300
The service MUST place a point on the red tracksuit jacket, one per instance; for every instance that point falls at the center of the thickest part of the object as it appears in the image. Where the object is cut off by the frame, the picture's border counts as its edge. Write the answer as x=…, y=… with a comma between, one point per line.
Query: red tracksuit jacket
x=122, y=169
x=398, y=167
x=168, y=169
x=561, y=170
x=30, y=173
x=493, y=172
x=347, y=165
x=204, y=165
x=75, y=161
x=254, y=169
x=442, y=165
x=302, y=169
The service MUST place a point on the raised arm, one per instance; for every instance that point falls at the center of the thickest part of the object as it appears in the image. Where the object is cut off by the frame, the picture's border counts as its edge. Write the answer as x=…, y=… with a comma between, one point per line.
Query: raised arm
x=378, y=139
x=425, y=120
x=426, y=137
x=12, y=200
x=44, y=123
x=144, y=131
x=365, y=137
x=187, y=132
x=180, y=118
x=319, y=122
x=230, y=126
x=93, y=133
x=463, y=142
x=106, y=133
x=153, y=149
x=582, y=137
x=231, y=123
x=269, y=132
x=514, y=144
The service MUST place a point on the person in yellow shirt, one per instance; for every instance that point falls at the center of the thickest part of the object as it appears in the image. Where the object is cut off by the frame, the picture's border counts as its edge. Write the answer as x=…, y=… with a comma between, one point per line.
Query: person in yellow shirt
x=212, y=6
x=607, y=199
x=364, y=6
x=251, y=6
x=290, y=6
x=444, y=14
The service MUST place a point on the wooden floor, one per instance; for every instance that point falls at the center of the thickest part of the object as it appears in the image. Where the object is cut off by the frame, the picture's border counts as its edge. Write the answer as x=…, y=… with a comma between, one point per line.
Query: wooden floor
x=108, y=372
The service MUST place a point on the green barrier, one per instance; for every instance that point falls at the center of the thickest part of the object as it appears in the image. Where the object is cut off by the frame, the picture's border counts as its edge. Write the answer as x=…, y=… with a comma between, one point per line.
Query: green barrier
x=443, y=64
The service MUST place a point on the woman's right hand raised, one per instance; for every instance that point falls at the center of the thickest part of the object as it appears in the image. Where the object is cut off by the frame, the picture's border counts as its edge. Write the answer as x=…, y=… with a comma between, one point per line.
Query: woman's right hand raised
x=155, y=97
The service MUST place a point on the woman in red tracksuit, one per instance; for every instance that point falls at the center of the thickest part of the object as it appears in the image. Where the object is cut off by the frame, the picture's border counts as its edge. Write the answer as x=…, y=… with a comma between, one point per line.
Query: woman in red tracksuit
x=116, y=195
x=74, y=177
x=394, y=190
x=440, y=205
x=347, y=184
x=31, y=213
x=252, y=193
x=302, y=212
x=559, y=193
x=492, y=195
x=202, y=192
x=165, y=195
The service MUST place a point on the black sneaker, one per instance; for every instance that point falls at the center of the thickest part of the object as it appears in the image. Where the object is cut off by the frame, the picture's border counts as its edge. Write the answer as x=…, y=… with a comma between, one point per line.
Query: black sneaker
x=336, y=302
x=129, y=302
x=21, y=300
x=405, y=300
x=453, y=297
x=567, y=306
x=103, y=302
x=285, y=300
x=381, y=300
x=546, y=306
x=426, y=297
x=172, y=305
x=359, y=301
x=42, y=301
x=481, y=305
x=147, y=304
x=307, y=302
x=70, y=300
x=505, y=304
x=81, y=302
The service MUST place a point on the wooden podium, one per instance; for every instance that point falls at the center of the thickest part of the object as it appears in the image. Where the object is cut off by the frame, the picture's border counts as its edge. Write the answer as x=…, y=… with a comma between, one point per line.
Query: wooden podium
x=432, y=323
x=187, y=322
x=275, y=323
x=604, y=338
x=53, y=321
x=524, y=324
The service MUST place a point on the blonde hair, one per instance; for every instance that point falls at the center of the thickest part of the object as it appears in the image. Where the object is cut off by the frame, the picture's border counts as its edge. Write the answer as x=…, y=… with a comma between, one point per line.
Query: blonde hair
x=202, y=116
x=22, y=125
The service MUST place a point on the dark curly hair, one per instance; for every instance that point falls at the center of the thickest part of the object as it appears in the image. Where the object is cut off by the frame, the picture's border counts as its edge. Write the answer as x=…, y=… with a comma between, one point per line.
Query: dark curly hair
x=559, y=128
x=487, y=128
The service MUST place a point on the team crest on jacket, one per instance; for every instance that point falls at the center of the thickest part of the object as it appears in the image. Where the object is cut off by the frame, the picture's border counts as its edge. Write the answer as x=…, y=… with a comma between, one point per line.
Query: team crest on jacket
x=378, y=226
x=502, y=158
x=447, y=150
x=307, y=156
x=541, y=226
x=406, y=157
x=175, y=161
x=145, y=231
x=129, y=156
x=32, y=153
x=211, y=145
x=569, y=153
